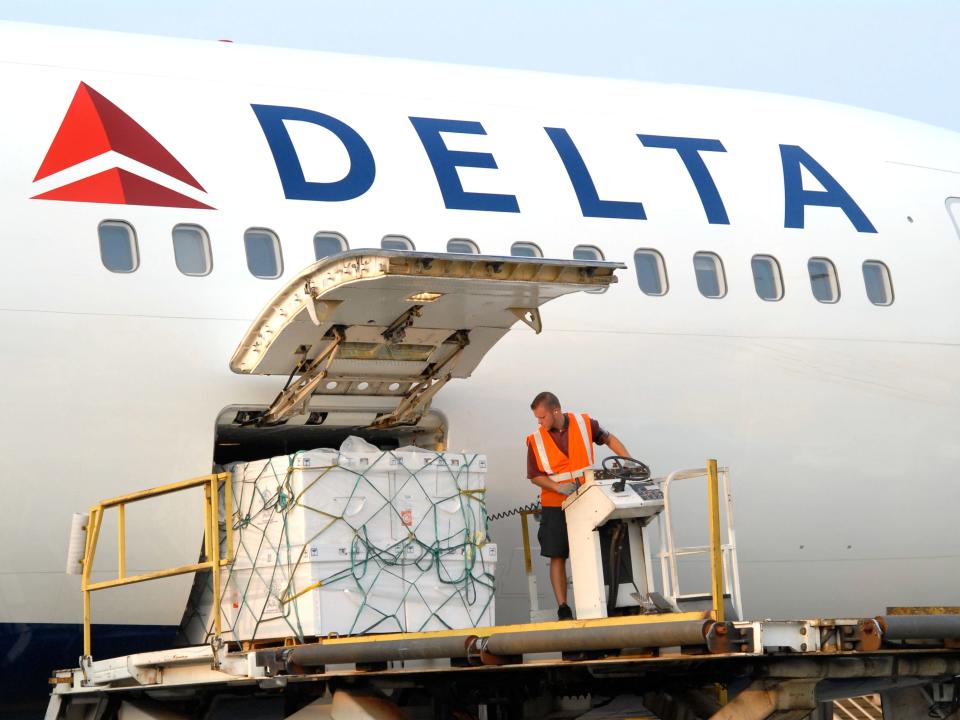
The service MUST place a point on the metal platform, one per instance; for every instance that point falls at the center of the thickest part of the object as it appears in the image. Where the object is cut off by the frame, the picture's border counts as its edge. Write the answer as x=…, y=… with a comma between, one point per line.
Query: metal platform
x=673, y=665
x=784, y=669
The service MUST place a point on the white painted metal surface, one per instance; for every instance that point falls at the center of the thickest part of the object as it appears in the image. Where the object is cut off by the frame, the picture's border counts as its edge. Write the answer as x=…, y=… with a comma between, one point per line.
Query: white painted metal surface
x=593, y=505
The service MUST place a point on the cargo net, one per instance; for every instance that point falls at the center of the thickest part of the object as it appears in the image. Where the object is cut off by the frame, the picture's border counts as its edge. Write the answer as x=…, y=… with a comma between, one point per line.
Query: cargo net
x=351, y=542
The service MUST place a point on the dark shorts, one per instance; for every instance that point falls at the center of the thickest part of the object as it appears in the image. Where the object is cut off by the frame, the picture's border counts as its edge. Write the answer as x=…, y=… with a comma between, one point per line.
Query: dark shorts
x=553, y=533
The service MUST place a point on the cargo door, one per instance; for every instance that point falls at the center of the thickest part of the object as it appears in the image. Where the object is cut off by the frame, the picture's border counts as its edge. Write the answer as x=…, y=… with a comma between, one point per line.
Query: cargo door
x=397, y=326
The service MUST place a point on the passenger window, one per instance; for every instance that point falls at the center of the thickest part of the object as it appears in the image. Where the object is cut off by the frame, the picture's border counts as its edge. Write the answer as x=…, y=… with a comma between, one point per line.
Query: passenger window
x=118, y=246
x=587, y=252
x=263, y=253
x=191, y=250
x=326, y=244
x=462, y=247
x=766, y=277
x=651, y=272
x=709, y=271
x=525, y=249
x=876, y=277
x=396, y=242
x=823, y=280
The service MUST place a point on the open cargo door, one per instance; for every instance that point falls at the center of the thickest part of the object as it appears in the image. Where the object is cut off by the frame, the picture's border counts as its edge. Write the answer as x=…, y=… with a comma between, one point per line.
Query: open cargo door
x=398, y=325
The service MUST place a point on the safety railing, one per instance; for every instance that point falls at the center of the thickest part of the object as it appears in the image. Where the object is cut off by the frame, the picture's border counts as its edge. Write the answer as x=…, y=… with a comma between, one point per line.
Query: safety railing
x=724, y=567
x=212, y=546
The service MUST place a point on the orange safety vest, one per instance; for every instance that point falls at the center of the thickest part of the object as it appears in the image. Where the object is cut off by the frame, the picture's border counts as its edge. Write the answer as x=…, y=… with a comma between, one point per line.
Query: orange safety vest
x=563, y=468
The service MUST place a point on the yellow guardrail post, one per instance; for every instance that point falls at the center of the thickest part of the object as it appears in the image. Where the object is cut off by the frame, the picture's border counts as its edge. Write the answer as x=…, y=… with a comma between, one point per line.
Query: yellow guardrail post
x=215, y=545
x=228, y=514
x=527, y=561
x=93, y=531
x=121, y=541
x=716, y=559
x=211, y=526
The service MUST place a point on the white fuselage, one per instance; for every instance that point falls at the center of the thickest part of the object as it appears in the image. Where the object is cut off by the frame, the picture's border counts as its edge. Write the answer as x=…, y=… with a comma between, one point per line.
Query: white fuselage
x=837, y=420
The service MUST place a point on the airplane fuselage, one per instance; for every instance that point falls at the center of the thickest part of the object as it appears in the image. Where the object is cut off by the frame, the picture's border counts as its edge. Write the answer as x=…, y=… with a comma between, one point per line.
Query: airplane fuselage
x=835, y=417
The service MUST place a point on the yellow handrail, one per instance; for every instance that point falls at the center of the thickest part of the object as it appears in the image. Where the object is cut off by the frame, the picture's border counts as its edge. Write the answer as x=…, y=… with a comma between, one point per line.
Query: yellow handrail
x=211, y=513
x=527, y=560
x=716, y=559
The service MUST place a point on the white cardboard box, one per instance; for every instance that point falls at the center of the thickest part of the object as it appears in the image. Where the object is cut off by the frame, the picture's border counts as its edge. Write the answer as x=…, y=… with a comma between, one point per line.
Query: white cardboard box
x=338, y=590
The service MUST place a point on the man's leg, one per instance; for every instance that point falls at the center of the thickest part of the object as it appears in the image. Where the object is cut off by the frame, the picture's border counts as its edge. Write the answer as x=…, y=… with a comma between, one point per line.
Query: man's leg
x=553, y=544
x=558, y=578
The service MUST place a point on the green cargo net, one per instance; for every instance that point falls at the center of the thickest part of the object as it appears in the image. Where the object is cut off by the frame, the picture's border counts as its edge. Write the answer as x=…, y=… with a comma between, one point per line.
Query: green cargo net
x=347, y=543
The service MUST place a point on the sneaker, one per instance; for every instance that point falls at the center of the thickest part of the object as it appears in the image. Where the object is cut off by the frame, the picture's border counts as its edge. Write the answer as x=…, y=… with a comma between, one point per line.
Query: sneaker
x=564, y=612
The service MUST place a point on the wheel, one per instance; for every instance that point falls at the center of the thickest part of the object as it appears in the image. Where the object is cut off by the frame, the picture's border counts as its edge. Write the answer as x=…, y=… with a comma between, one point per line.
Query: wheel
x=626, y=468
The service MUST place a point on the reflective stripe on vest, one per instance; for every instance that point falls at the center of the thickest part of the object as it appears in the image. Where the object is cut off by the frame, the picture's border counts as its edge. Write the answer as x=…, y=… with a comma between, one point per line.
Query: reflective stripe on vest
x=587, y=440
x=541, y=453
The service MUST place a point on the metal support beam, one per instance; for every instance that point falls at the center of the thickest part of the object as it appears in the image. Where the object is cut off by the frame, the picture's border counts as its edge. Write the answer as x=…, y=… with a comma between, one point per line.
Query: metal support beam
x=295, y=394
x=417, y=400
x=920, y=627
x=662, y=634
x=866, y=667
x=316, y=655
x=397, y=330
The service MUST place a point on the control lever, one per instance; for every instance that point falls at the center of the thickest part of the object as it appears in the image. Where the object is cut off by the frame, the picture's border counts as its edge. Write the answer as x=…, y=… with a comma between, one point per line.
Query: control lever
x=620, y=485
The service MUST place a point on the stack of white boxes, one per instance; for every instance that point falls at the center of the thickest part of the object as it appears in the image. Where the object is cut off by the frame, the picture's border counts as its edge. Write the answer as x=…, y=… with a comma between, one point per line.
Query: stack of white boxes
x=358, y=541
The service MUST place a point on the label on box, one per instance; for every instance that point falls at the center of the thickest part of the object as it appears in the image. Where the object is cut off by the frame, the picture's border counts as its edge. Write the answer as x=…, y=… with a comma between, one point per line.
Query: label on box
x=406, y=517
x=273, y=604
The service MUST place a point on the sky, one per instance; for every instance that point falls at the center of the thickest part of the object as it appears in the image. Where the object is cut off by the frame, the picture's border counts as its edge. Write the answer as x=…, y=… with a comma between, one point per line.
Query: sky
x=894, y=56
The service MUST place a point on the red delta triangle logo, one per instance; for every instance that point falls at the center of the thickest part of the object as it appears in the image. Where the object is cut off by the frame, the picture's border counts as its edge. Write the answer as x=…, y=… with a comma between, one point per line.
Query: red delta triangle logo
x=93, y=126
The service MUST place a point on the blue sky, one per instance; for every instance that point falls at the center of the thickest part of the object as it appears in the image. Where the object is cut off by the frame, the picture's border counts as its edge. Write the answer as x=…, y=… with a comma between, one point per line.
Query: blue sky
x=898, y=57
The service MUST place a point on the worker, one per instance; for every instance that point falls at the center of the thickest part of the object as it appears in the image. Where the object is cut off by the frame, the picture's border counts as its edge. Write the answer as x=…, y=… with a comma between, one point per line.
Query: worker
x=557, y=454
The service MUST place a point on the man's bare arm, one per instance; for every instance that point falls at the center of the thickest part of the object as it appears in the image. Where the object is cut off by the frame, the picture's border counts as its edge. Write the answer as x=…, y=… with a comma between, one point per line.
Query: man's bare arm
x=618, y=447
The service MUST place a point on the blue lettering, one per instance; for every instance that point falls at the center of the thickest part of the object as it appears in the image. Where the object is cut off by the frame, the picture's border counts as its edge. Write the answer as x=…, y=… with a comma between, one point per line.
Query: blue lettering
x=689, y=150
x=445, y=163
x=590, y=203
x=295, y=186
x=796, y=198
